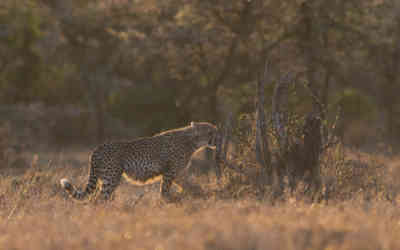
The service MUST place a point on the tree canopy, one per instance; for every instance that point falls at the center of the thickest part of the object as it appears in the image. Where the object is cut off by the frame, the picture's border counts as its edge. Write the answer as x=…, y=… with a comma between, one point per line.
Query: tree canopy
x=160, y=64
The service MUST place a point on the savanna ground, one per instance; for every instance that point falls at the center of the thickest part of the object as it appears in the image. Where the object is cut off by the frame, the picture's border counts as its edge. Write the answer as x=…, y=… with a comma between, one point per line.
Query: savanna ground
x=361, y=212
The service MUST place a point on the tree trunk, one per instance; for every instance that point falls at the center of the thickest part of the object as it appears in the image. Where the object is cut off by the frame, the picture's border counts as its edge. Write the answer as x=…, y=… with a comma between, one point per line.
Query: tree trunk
x=308, y=42
x=263, y=154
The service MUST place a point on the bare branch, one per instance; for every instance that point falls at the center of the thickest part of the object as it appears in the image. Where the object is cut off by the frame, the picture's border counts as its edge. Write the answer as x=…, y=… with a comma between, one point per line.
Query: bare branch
x=227, y=135
x=219, y=161
x=280, y=109
x=262, y=149
x=321, y=106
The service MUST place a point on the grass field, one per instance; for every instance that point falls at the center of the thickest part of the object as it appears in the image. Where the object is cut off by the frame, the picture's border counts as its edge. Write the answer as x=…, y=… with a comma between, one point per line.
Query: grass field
x=36, y=214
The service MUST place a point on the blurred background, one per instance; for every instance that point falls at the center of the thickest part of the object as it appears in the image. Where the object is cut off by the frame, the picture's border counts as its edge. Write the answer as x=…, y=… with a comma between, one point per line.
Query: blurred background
x=79, y=72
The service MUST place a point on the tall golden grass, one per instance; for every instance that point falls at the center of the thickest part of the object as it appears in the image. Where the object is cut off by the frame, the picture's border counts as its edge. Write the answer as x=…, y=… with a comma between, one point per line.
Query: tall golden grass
x=35, y=213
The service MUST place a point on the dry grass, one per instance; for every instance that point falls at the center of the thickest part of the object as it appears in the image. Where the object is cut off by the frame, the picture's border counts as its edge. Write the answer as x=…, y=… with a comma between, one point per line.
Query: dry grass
x=36, y=214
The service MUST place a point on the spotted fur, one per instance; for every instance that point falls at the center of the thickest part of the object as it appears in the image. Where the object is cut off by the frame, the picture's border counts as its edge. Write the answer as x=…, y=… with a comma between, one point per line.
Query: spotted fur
x=144, y=160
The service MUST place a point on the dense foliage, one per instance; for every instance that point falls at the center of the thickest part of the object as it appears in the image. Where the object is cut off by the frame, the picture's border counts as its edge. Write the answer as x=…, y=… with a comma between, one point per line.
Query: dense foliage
x=160, y=64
